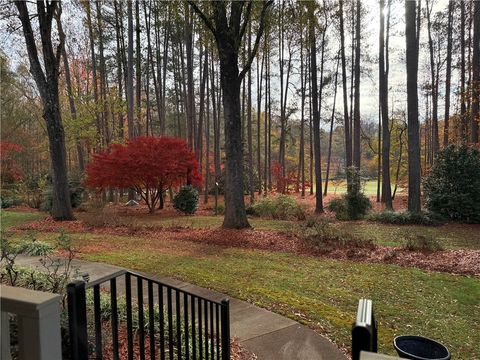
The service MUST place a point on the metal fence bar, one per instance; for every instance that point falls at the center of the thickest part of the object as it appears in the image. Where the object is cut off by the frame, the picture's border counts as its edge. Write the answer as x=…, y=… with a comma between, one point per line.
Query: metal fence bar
x=77, y=315
x=151, y=320
x=141, y=325
x=162, y=322
x=128, y=295
x=225, y=329
x=98, y=322
x=113, y=304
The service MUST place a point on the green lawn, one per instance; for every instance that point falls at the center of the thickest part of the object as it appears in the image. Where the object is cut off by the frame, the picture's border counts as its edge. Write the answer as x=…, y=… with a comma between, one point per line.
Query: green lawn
x=369, y=187
x=320, y=293
x=450, y=236
x=12, y=218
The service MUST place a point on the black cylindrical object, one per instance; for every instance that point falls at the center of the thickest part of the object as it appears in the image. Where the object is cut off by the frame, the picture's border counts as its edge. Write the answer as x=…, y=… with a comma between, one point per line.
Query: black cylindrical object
x=420, y=348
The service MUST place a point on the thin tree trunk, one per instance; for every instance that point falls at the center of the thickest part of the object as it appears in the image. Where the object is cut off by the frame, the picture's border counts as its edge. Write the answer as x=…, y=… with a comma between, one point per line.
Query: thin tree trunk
x=207, y=130
x=251, y=185
x=330, y=137
x=131, y=130
x=356, y=108
x=463, y=108
x=434, y=84
x=448, y=76
x=71, y=101
x=94, y=69
x=259, y=115
x=315, y=109
x=412, y=42
x=475, y=117
x=348, y=144
x=138, y=73
x=383, y=96
x=119, y=55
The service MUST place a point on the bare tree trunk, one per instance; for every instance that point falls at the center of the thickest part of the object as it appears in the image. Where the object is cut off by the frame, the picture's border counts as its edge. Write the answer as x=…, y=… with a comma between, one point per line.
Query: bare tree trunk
x=131, y=129
x=259, y=115
x=463, y=108
x=47, y=84
x=316, y=114
x=435, y=141
x=190, y=85
x=383, y=96
x=138, y=73
x=475, y=117
x=201, y=115
x=301, y=155
x=94, y=69
x=103, y=76
x=330, y=137
x=119, y=55
x=399, y=161
x=348, y=144
x=446, y=127
x=412, y=42
x=71, y=102
x=207, y=130
x=156, y=84
x=251, y=187
x=356, y=108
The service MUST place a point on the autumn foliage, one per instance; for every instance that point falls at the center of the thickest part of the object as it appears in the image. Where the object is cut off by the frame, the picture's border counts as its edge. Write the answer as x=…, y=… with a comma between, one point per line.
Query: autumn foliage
x=10, y=171
x=148, y=164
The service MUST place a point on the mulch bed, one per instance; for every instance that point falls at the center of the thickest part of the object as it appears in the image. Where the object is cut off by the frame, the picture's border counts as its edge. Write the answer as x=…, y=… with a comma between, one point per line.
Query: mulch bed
x=464, y=262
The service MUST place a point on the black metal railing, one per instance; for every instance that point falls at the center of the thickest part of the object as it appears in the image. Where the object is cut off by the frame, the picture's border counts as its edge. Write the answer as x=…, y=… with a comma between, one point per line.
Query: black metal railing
x=127, y=315
x=364, y=330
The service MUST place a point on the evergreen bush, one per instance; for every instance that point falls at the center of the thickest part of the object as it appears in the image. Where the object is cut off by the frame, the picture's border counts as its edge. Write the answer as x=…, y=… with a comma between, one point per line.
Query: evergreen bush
x=452, y=188
x=186, y=200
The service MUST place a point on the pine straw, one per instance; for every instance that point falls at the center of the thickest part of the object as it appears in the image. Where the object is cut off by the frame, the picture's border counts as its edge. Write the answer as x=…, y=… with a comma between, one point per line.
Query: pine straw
x=463, y=262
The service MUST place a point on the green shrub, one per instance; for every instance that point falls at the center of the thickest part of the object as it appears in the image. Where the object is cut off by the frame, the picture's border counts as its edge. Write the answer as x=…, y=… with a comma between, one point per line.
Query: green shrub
x=426, y=243
x=219, y=209
x=35, y=248
x=9, y=198
x=407, y=218
x=282, y=207
x=76, y=195
x=186, y=200
x=452, y=188
x=354, y=204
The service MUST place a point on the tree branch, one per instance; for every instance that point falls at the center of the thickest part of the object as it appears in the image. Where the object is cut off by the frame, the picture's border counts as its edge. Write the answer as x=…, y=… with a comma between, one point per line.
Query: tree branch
x=246, y=19
x=206, y=20
x=35, y=67
x=261, y=27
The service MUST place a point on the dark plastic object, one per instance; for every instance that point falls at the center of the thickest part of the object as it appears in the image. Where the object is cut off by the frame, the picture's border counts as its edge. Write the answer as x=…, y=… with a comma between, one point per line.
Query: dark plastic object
x=420, y=348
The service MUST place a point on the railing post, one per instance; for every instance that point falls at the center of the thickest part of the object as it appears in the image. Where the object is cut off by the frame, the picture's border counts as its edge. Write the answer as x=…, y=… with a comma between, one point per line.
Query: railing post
x=225, y=329
x=364, y=330
x=77, y=320
x=38, y=318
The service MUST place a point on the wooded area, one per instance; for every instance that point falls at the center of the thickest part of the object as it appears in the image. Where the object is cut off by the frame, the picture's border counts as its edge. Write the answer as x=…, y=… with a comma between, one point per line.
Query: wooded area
x=253, y=87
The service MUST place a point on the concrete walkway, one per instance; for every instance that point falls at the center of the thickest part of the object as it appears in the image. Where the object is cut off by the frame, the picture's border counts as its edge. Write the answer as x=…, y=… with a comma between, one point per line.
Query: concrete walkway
x=268, y=335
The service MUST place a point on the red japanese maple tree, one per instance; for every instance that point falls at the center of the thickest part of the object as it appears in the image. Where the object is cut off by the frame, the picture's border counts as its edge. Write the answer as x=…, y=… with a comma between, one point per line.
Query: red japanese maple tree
x=148, y=164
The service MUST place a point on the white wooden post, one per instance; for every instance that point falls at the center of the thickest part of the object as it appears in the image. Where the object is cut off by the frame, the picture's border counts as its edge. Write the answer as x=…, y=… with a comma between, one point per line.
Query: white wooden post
x=5, y=343
x=38, y=316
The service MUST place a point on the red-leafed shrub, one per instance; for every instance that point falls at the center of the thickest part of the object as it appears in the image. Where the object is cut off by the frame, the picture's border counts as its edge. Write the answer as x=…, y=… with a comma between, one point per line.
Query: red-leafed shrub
x=10, y=171
x=148, y=164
